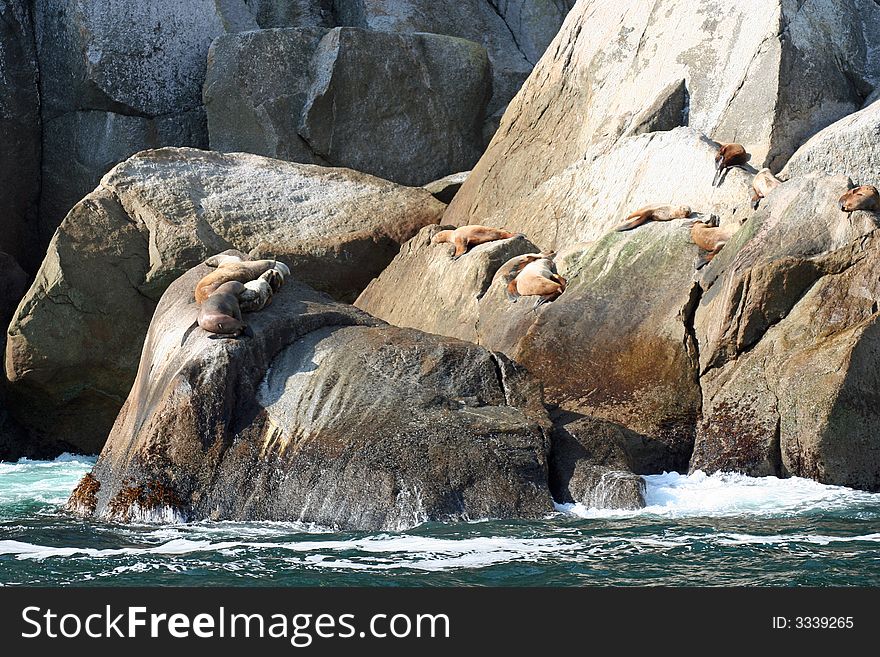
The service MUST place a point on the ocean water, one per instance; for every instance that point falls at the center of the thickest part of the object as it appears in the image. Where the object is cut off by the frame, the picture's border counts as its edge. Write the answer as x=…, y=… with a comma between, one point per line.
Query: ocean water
x=697, y=530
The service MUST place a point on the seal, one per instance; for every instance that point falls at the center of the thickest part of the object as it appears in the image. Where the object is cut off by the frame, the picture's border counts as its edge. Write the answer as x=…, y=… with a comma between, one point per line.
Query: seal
x=710, y=237
x=729, y=155
x=865, y=197
x=654, y=213
x=233, y=268
x=763, y=183
x=464, y=237
x=511, y=269
x=221, y=311
x=257, y=294
x=535, y=276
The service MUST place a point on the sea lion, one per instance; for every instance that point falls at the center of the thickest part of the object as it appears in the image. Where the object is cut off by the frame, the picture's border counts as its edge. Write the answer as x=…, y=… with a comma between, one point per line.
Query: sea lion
x=865, y=197
x=536, y=277
x=511, y=269
x=464, y=237
x=728, y=156
x=654, y=213
x=257, y=294
x=763, y=183
x=710, y=237
x=233, y=268
x=221, y=311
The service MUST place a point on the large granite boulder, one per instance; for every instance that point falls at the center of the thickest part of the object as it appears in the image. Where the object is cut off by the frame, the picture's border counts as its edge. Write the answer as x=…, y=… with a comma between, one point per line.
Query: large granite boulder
x=788, y=337
x=405, y=107
x=74, y=345
x=255, y=90
x=424, y=288
x=850, y=147
x=116, y=78
x=514, y=32
x=19, y=134
x=618, y=344
x=766, y=73
x=323, y=415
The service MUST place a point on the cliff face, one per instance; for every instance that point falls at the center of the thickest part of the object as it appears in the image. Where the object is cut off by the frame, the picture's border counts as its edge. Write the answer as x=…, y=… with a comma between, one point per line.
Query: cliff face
x=322, y=116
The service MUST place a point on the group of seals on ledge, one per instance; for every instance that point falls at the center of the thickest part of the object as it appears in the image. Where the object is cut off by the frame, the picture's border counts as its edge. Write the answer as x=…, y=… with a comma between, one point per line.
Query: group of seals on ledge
x=708, y=234
x=236, y=286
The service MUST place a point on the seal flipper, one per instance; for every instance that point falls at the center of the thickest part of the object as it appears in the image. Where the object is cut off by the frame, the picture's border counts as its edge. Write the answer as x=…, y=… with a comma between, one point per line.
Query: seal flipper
x=186, y=333
x=633, y=221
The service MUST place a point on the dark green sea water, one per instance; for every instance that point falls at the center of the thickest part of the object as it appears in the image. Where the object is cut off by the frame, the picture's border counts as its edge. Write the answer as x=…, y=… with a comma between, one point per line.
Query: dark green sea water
x=697, y=531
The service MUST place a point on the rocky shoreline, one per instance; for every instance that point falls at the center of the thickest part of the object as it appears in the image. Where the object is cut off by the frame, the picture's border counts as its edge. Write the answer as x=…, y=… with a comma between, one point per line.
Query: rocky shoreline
x=388, y=384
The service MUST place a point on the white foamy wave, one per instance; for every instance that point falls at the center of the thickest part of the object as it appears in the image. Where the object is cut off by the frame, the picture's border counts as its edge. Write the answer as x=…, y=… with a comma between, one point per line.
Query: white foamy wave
x=389, y=552
x=46, y=482
x=721, y=494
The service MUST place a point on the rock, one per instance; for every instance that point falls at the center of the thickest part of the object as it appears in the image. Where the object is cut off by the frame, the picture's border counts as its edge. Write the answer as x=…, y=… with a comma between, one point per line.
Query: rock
x=788, y=338
x=19, y=134
x=325, y=415
x=151, y=219
x=71, y=347
x=80, y=147
x=588, y=464
x=13, y=284
x=291, y=13
x=445, y=189
x=424, y=288
x=590, y=198
x=847, y=147
x=618, y=344
x=514, y=32
x=766, y=74
x=256, y=89
x=128, y=75
x=308, y=95
x=404, y=107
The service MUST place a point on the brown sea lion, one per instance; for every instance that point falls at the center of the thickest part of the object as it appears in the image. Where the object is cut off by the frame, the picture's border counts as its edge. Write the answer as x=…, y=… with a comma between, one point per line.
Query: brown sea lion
x=865, y=197
x=220, y=312
x=763, y=183
x=654, y=213
x=710, y=237
x=511, y=269
x=729, y=155
x=232, y=268
x=464, y=237
x=537, y=277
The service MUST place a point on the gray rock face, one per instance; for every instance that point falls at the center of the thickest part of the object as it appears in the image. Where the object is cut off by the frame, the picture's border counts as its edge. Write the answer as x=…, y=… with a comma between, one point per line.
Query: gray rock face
x=325, y=415
x=424, y=288
x=128, y=75
x=255, y=91
x=766, y=74
x=848, y=147
x=405, y=107
x=787, y=332
x=13, y=285
x=514, y=32
x=152, y=218
x=291, y=13
x=19, y=134
x=416, y=118
x=447, y=187
x=80, y=147
x=589, y=464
